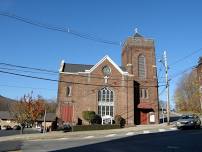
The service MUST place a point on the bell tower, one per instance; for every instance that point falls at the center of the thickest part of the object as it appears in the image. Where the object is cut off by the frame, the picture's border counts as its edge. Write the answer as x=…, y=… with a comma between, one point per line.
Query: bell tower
x=138, y=57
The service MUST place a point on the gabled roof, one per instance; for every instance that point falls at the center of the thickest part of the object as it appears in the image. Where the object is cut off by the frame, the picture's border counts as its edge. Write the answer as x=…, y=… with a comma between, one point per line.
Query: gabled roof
x=111, y=61
x=75, y=68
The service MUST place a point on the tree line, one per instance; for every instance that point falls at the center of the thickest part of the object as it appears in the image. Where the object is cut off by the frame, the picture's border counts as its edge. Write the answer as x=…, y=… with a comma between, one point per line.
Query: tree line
x=187, y=95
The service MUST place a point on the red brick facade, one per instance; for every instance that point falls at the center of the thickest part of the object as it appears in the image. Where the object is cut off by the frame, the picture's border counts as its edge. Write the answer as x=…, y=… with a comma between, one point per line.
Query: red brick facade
x=132, y=97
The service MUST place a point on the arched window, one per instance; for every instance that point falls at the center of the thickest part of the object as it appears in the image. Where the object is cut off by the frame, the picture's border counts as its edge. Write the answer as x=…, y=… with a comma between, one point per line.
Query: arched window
x=106, y=102
x=68, y=91
x=141, y=67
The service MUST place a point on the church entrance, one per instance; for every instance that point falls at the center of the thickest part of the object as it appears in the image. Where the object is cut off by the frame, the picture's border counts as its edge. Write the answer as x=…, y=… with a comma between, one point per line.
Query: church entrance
x=143, y=117
x=67, y=113
x=147, y=116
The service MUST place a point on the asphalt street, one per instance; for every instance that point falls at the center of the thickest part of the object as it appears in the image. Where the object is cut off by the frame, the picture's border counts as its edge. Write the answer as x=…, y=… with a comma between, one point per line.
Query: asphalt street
x=174, y=141
x=170, y=141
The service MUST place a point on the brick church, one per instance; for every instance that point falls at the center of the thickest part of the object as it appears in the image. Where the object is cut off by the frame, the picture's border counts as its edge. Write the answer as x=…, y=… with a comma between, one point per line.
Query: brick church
x=129, y=90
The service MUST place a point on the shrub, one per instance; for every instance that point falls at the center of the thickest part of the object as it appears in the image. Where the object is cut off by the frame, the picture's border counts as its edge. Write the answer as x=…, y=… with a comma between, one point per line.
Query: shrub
x=67, y=128
x=88, y=115
x=96, y=119
x=94, y=127
x=120, y=121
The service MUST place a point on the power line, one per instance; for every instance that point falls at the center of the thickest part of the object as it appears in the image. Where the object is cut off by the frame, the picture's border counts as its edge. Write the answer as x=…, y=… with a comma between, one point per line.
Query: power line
x=31, y=68
x=187, y=56
x=59, y=29
x=51, y=71
x=11, y=69
x=182, y=72
x=54, y=80
x=162, y=92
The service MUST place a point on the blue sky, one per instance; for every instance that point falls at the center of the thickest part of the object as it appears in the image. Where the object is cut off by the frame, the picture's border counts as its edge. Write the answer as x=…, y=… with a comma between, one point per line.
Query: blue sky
x=174, y=25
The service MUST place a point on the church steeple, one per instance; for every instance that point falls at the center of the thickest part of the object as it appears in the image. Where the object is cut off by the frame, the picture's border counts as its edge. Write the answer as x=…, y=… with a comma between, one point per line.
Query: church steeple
x=136, y=35
x=138, y=56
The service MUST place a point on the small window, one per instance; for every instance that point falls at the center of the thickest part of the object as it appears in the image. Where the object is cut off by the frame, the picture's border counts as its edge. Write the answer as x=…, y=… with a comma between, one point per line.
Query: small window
x=69, y=91
x=144, y=93
x=99, y=110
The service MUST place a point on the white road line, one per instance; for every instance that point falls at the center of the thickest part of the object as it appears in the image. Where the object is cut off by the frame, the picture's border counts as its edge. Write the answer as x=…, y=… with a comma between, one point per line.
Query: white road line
x=62, y=139
x=173, y=147
x=173, y=128
x=88, y=137
x=130, y=133
x=35, y=140
x=146, y=132
x=162, y=130
x=110, y=135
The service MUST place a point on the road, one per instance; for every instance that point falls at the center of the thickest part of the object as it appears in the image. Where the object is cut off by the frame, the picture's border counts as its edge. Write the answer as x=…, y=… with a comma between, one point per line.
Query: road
x=171, y=141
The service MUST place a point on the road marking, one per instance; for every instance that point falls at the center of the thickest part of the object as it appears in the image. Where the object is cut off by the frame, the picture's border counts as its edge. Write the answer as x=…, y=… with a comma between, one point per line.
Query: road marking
x=88, y=137
x=110, y=135
x=35, y=140
x=130, y=133
x=173, y=147
x=49, y=139
x=162, y=130
x=146, y=132
x=173, y=128
x=62, y=139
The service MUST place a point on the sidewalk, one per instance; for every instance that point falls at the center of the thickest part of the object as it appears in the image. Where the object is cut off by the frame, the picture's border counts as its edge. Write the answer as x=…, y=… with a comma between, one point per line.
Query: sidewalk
x=79, y=134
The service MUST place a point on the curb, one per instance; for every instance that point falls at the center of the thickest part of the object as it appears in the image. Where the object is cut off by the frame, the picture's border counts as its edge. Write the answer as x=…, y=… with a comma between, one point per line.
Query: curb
x=82, y=134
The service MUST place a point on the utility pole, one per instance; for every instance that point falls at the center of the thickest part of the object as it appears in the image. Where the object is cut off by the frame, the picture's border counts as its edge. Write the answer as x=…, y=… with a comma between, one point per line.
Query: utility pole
x=44, y=120
x=167, y=89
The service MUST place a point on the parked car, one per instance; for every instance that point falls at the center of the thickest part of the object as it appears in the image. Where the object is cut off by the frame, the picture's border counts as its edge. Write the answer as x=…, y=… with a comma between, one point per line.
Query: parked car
x=16, y=127
x=189, y=121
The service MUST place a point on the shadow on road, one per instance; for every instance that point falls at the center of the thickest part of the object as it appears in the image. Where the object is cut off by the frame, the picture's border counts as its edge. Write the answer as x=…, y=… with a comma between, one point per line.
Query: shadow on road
x=10, y=146
x=175, y=141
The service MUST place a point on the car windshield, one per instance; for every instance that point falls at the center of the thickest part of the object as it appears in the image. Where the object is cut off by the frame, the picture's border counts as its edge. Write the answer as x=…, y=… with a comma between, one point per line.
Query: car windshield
x=187, y=117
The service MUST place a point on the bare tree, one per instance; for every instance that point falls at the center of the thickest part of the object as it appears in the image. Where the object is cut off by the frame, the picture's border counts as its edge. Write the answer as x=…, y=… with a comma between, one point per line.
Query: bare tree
x=187, y=94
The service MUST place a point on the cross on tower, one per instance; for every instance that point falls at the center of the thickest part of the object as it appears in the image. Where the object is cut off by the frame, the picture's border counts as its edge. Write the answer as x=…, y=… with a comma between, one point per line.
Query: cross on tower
x=136, y=30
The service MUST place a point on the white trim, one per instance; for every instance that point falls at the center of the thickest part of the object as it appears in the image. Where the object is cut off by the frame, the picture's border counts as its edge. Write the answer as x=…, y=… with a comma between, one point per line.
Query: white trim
x=111, y=61
x=69, y=73
x=61, y=65
x=94, y=67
